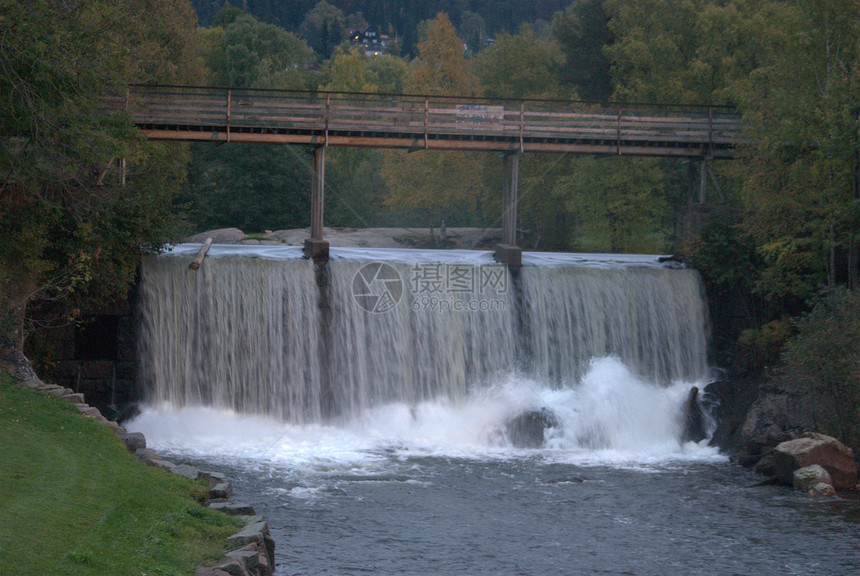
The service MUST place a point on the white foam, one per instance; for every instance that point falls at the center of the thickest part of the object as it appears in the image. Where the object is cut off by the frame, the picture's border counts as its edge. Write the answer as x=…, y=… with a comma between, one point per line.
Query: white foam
x=610, y=418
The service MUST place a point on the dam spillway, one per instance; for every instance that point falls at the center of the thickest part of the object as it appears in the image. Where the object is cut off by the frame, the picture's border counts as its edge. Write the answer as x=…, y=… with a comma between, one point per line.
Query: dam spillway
x=257, y=329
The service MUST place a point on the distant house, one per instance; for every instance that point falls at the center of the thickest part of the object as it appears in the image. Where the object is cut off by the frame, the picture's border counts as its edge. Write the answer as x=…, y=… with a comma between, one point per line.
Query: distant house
x=370, y=39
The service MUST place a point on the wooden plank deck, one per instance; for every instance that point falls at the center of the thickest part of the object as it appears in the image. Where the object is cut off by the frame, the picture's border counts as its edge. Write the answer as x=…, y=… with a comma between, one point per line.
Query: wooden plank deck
x=424, y=122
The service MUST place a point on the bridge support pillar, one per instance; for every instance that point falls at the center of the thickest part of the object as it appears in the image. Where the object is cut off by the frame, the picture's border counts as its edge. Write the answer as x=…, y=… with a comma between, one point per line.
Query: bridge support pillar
x=508, y=252
x=315, y=246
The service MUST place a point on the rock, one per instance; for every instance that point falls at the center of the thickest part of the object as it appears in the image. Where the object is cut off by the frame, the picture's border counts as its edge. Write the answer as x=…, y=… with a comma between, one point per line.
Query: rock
x=766, y=465
x=233, y=508
x=807, y=477
x=186, y=471
x=819, y=449
x=233, y=567
x=211, y=478
x=527, y=429
x=253, y=533
x=134, y=442
x=822, y=489
x=19, y=367
x=773, y=418
x=222, y=490
x=567, y=480
x=90, y=411
x=203, y=571
x=694, y=429
x=153, y=458
x=247, y=556
x=220, y=236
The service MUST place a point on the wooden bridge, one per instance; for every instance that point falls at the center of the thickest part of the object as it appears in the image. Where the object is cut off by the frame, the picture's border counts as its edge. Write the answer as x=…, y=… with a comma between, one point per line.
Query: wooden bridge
x=509, y=127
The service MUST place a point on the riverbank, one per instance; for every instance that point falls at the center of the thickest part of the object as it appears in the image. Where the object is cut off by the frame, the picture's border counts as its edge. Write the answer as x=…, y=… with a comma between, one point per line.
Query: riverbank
x=75, y=502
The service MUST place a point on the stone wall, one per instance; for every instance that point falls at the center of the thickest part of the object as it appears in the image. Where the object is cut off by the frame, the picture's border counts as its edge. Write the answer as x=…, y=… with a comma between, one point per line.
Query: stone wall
x=96, y=358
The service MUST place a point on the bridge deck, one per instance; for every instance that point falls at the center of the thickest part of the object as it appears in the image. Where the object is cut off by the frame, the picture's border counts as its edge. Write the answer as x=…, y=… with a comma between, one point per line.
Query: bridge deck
x=419, y=122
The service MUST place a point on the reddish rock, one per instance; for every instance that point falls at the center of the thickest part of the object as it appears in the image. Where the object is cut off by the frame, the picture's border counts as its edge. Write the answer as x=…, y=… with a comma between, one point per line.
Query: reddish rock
x=819, y=449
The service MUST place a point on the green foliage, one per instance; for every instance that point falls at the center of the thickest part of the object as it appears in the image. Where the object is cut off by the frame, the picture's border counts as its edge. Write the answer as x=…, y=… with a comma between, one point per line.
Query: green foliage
x=473, y=30
x=583, y=33
x=438, y=184
x=619, y=204
x=350, y=70
x=70, y=231
x=75, y=502
x=801, y=106
x=324, y=28
x=521, y=66
x=252, y=187
x=822, y=362
x=682, y=51
x=758, y=348
x=242, y=52
x=724, y=255
x=441, y=67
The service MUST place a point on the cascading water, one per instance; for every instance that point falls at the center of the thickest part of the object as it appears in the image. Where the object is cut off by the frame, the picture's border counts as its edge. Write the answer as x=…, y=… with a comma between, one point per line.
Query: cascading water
x=241, y=333
x=253, y=332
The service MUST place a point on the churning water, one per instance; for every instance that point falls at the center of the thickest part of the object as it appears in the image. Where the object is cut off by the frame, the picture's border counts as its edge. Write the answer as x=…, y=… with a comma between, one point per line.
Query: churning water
x=365, y=414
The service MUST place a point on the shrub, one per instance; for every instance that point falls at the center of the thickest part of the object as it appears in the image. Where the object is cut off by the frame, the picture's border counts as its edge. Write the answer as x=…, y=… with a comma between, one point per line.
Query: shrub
x=822, y=364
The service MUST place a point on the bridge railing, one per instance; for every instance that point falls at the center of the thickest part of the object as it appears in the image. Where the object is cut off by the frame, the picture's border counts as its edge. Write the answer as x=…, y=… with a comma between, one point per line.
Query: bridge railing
x=426, y=119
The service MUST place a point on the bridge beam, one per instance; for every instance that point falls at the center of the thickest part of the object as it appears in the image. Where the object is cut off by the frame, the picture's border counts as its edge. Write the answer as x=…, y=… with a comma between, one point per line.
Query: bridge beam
x=508, y=252
x=315, y=247
x=698, y=183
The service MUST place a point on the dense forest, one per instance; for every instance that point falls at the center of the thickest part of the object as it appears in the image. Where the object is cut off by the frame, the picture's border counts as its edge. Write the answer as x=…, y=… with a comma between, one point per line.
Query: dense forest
x=82, y=195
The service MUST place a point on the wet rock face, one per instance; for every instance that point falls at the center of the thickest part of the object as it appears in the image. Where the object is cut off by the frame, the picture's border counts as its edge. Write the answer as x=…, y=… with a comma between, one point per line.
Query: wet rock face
x=526, y=430
x=694, y=418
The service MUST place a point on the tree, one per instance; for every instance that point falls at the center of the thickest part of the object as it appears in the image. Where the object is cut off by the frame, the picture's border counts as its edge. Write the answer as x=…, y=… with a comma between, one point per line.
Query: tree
x=473, y=30
x=354, y=184
x=582, y=32
x=72, y=223
x=521, y=66
x=324, y=28
x=436, y=183
x=619, y=204
x=250, y=187
x=820, y=363
x=441, y=67
x=253, y=187
x=239, y=51
x=682, y=51
x=801, y=105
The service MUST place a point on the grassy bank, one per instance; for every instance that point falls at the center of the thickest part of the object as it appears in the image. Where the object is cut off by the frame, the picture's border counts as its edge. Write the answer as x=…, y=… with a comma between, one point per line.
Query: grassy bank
x=74, y=502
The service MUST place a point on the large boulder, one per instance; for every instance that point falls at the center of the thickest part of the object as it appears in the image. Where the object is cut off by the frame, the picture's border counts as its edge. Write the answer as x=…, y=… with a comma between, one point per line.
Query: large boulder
x=820, y=449
x=526, y=430
x=774, y=417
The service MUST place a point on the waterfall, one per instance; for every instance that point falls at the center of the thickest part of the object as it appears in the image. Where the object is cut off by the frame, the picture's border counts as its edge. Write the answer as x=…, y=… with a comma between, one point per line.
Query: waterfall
x=257, y=331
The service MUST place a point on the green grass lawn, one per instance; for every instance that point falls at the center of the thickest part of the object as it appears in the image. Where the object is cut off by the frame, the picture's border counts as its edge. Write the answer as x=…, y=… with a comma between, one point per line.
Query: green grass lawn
x=74, y=501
